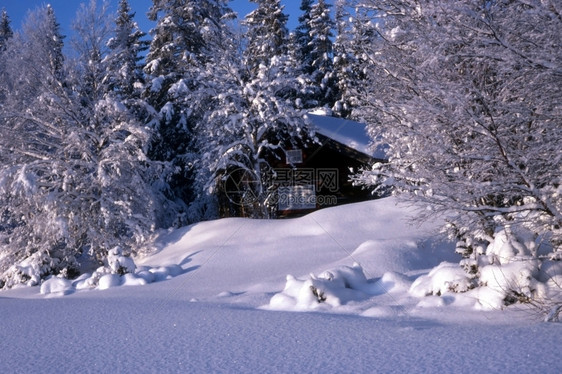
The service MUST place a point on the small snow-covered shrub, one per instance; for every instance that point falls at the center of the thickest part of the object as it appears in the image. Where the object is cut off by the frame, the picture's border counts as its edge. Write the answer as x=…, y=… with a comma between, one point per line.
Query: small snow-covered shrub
x=328, y=290
x=508, y=244
x=118, y=263
x=498, y=270
x=446, y=277
x=121, y=271
x=31, y=270
x=515, y=281
x=511, y=268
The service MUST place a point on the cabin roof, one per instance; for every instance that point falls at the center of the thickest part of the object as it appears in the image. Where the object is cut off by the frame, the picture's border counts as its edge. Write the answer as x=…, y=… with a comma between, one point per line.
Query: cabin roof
x=349, y=133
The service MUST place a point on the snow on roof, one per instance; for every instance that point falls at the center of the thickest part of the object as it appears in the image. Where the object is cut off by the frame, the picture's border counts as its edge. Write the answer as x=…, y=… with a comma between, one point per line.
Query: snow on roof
x=349, y=133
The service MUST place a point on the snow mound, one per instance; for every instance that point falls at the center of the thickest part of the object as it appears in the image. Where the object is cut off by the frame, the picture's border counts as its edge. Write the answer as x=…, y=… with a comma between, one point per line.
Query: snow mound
x=56, y=286
x=383, y=255
x=390, y=282
x=109, y=281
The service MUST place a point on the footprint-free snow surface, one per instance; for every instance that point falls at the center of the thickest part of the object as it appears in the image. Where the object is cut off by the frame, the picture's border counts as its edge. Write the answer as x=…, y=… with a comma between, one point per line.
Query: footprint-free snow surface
x=330, y=292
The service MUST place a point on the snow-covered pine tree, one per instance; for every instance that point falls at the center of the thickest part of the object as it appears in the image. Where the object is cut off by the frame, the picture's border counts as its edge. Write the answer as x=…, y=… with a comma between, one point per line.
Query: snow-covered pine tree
x=187, y=36
x=124, y=81
x=124, y=69
x=5, y=29
x=251, y=112
x=321, y=27
x=266, y=36
x=468, y=98
x=5, y=34
x=303, y=38
x=359, y=40
x=54, y=44
x=343, y=63
x=250, y=121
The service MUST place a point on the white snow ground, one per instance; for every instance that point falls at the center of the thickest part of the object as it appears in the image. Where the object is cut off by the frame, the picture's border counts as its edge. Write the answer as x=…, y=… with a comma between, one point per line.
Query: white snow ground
x=230, y=307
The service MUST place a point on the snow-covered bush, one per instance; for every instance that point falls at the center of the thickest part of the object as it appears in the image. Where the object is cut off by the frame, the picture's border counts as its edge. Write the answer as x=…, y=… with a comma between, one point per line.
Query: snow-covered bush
x=511, y=265
x=508, y=270
x=446, y=277
x=75, y=180
x=467, y=96
x=335, y=289
x=118, y=263
x=329, y=289
x=31, y=270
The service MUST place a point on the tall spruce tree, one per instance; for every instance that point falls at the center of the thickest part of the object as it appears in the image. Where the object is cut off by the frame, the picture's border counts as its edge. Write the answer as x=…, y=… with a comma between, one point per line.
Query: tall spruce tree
x=249, y=123
x=5, y=34
x=125, y=71
x=303, y=38
x=5, y=29
x=267, y=35
x=187, y=37
x=254, y=114
x=321, y=28
x=344, y=73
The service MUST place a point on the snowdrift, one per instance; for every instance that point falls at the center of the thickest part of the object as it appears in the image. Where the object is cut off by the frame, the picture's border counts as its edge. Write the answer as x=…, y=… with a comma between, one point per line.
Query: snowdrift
x=363, y=259
x=214, y=296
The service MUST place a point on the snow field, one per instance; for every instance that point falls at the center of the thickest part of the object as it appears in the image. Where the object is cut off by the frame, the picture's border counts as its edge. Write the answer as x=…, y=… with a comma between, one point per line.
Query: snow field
x=215, y=296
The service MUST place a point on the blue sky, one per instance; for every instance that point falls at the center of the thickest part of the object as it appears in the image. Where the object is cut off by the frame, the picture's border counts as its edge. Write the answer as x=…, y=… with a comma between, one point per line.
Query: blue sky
x=66, y=10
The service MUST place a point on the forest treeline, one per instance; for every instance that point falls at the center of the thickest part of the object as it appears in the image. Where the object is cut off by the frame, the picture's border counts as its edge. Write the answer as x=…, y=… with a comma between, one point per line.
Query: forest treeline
x=110, y=134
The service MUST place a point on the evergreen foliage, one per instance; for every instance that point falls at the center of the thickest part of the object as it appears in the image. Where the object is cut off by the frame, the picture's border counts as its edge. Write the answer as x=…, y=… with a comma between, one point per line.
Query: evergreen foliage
x=266, y=36
x=186, y=39
x=303, y=37
x=5, y=34
x=124, y=68
x=321, y=52
x=252, y=112
x=5, y=30
x=345, y=69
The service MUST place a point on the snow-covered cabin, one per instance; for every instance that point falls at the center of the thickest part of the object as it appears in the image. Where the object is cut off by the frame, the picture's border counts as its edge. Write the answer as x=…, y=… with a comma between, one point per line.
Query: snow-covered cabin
x=318, y=176
x=314, y=176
